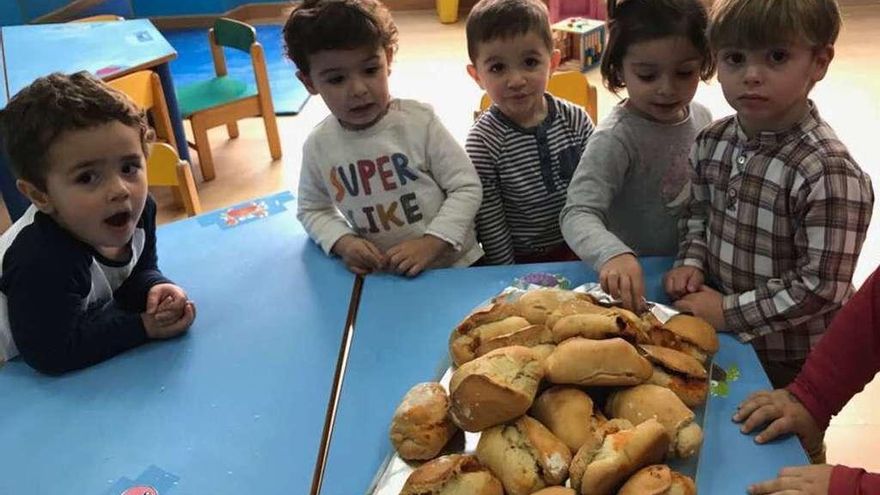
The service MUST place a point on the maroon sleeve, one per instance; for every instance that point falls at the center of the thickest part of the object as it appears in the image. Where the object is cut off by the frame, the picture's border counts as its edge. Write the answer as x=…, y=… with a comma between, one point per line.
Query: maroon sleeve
x=846, y=358
x=851, y=481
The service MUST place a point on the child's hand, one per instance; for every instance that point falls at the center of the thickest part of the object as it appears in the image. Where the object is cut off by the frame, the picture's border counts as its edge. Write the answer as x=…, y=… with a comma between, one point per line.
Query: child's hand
x=359, y=255
x=707, y=303
x=166, y=303
x=801, y=480
x=621, y=276
x=683, y=280
x=158, y=330
x=779, y=412
x=411, y=257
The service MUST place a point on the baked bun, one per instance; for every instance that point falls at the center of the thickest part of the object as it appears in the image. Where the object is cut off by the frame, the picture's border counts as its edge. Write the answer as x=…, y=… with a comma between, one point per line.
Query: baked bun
x=528, y=336
x=468, y=335
x=612, y=362
x=603, y=464
x=556, y=490
x=494, y=388
x=421, y=425
x=524, y=455
x=689, y=334
x=639, y=403
x=658, y=480
x=590, y=326
x=567, y=412
x=454, y=474
x=679, y=372
x=577, y=307
x=537, y=304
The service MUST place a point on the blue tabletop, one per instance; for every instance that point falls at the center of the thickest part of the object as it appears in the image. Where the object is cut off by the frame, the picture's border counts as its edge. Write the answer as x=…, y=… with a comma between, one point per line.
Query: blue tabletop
x=4, y=96
x=236, y=406
x=102, y=48
x=401, y=336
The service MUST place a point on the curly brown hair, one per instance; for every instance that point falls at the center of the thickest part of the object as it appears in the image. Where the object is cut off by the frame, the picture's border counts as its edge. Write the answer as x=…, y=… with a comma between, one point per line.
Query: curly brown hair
x=35, y=117
x=316, y=25
x=764, y=23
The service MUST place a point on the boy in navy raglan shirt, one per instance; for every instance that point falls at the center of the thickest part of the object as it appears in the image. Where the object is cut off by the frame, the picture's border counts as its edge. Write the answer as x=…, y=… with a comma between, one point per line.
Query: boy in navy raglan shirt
x=78, y=275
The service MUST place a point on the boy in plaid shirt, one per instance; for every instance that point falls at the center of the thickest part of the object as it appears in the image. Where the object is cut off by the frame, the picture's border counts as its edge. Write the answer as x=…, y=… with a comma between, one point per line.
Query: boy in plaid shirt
x=779, y=208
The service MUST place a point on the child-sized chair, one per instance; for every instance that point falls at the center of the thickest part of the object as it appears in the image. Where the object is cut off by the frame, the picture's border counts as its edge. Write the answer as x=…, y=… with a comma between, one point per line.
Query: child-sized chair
x=571, y=85
x=165, y=168
x=224, y=100
x=100, y=18
x=145, y=90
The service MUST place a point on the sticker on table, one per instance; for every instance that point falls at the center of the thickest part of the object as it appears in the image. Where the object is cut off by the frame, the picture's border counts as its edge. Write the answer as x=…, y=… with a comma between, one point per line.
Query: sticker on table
x=152, y=481
x=722, y=378
x=247, y=212
x=109, y=70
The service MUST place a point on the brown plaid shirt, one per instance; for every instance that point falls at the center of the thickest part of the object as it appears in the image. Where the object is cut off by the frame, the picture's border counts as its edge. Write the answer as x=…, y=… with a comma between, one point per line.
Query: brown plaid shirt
x=776, y=223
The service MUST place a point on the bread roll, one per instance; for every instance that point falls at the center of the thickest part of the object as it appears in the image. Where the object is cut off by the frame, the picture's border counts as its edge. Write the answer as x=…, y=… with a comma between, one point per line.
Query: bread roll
x=454, y=474
x=463, y=344
x=528, y=336
x=658, y=480
x=576, y=307
x=611, y=362
x=638, y=404
x=685, y=333
x=567, y=412
x=524, y=455
x=421, y=425
x=679, y=372
x=494, y=388
x=537, y=304
x=555, y=490
x=589, y=326
x=602, y=465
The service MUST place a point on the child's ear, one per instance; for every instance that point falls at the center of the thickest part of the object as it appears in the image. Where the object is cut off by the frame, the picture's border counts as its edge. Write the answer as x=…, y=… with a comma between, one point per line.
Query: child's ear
x=472, y=71
x=389, y=57
x=555, y=57
x=307, y=82
x=38, y=197
x=822, y=58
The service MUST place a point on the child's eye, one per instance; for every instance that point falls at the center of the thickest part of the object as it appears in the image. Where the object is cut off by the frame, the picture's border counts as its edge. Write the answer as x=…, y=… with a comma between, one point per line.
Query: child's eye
x=734, y=58
x=532, y=62
x=86, y=178
x=334, y=80
x=496, y=68
x=777, y=56
x=685, y=74
x=131, y=167
x=371, y=70
x=646, y=77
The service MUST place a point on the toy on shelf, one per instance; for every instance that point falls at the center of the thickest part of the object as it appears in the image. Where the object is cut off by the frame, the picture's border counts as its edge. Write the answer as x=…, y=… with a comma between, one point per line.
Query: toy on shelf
x=581, y=39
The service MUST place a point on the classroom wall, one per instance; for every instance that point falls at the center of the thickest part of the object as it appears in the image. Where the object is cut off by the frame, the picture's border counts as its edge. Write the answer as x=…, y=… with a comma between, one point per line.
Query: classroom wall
x=158, y=8
x=10, y=13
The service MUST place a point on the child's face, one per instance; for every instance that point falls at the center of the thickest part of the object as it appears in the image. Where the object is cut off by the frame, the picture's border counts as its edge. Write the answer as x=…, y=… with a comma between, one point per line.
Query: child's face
x=514, y=72
x=96, y=185
x=353, y=83
x=661, y=77
x=768, y=87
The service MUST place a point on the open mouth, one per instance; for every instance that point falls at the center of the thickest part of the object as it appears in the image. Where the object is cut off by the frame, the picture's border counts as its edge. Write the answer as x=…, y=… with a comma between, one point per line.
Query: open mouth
x=120, y=219
x=361, y=108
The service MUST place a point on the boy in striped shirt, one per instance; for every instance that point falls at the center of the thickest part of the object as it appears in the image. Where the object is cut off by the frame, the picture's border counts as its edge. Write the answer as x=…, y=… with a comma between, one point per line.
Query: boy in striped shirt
x=527, y=145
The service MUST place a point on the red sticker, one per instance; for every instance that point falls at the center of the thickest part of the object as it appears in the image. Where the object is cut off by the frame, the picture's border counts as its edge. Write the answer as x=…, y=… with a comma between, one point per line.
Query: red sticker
x=140, y=490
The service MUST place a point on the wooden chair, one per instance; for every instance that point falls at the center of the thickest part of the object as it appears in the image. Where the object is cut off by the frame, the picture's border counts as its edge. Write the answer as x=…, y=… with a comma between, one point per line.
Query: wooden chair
x=224, y=100
x=571, y=85
x=145, y=90
x=165, y=168
x=100, y=18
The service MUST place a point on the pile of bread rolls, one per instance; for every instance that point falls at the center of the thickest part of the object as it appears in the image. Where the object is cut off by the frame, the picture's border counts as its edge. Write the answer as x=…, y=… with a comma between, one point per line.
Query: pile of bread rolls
x=530, y=376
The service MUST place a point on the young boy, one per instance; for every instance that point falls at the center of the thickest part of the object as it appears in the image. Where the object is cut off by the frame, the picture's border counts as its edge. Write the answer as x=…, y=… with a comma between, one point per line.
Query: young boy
x=778, y=209
x=840, y=366
x=78, y=275
x=528, y=144
x=383, y=183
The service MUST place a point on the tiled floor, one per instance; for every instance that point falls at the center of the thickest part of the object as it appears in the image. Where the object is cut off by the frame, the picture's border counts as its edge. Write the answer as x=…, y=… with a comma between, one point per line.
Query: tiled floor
x=430, y=66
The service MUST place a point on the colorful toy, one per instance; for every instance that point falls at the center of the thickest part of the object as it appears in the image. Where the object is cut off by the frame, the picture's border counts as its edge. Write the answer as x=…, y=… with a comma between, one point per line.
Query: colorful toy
x=579, y=38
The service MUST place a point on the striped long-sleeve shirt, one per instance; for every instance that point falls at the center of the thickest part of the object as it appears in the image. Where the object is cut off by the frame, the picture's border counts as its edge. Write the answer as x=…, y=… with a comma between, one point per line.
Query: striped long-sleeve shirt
x=776, y=223
x=525, y=174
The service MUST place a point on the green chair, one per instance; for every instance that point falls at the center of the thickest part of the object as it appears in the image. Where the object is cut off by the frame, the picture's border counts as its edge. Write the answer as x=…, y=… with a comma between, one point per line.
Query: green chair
x=224, y=100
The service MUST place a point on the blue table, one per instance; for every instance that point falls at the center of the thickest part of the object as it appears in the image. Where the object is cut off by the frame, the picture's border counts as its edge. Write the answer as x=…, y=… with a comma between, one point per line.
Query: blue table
x=400, y=339
x=107, y=49
x=236, y=406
